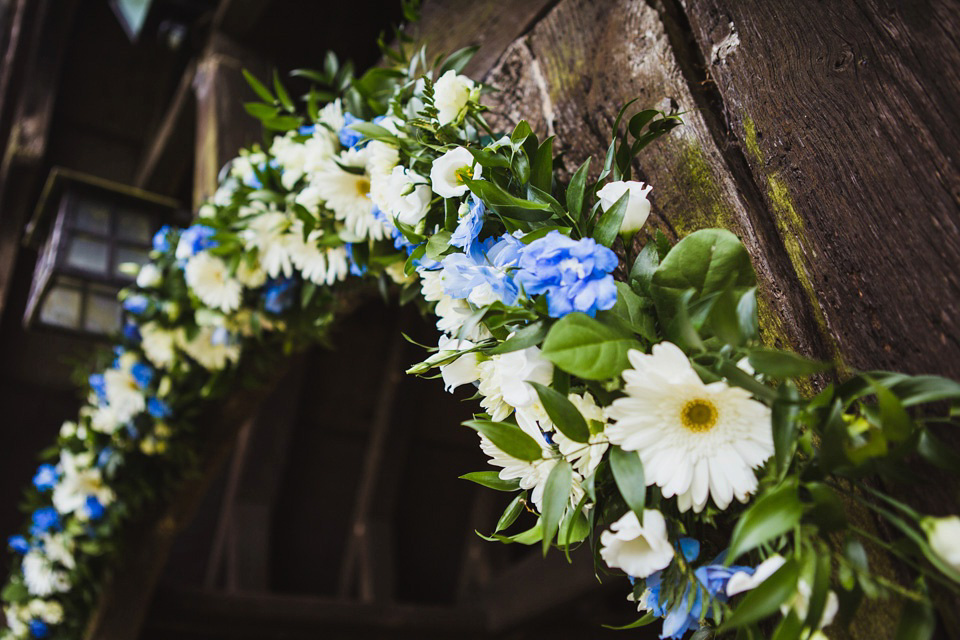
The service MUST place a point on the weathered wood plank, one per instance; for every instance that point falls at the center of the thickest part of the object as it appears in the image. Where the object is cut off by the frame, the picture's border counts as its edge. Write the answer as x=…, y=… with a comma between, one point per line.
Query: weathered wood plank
x=847, y=117
x=162, y=167
x=570, y=75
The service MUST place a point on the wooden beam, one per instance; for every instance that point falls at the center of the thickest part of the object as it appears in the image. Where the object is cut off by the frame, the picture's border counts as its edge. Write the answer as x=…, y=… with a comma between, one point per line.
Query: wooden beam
x=162, y=166
x=235, y=18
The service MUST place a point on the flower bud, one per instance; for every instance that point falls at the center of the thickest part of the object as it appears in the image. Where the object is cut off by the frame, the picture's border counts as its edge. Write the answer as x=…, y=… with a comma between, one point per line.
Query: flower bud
x=150, y=276
x=944, y=537
x=638, y=207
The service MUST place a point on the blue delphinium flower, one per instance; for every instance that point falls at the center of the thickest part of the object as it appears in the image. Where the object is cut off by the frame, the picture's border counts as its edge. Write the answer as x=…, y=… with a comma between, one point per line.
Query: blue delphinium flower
x=46, y=477
x=99, y=386
x=348, y=137
x=356, y=269
x=93, y=508
x=194, y=239
x=131, y=332
x=158, y=408
x=575, y=274
x=161, y=239
x=44, y=519
x=143, y=374
x=307, y=129
x=38, y=628
x=103, y=458
x=136, y=304
x=18, y=544
x=483, y=275
x=278, y=296
x=470, y=225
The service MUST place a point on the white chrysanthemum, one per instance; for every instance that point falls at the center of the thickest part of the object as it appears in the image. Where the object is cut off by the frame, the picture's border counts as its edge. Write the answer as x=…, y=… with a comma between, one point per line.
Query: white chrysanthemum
x=223, y=196
x=103, y=420
x=290, y=156
x=696, y=440
x=448, y=171
x=209, y=278
x=316, y=264
x=123, y=394
x=331, y=115
x=407, y=196
x=267, y=232
x=79, y=478
x=17, y=617
x=585, y=456
x=50, y=611
x=347, y=194
x=41, y=578
x=451, y=92
x=639, y=550
x=431, y=285
x=504, y=378
x=533, y=418
x=58, y=547
x=158, y=345
x=242, y=166
x=382, y=159
x=532, y=475
x=463, y=370
x=452, y=313
x=251, y=274
x=202, y=348
x=318, y=150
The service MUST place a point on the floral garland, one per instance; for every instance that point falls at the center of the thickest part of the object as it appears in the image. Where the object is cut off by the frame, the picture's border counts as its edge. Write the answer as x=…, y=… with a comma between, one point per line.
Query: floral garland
x=637, y=404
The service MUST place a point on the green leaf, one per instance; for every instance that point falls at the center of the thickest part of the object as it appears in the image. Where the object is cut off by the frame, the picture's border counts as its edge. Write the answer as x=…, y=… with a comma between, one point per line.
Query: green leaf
x=608, y=226
x=260, y=111
x=628, y=473
x=916, y=390
x=630, y=310
x=772, y=514
x=491, y=480
x=509, y=438
x=641, y=274
x=564, y=415
x=575, y=190
x=541, y=175
x=512, y=511
x=766, y=598
x=639, y=121
x=457, y=60
x=506, y=204
x=437, y=244
x=556, y=495
x=917, y=621
x=642, y=622
x=258, y=87
x=747, y=314
x=894, y=420
x=783, y=364
x=521, y=132
x=785, y=427
x=724, y=320
x=528, y=537
x=705, y=262
x=580, y=345
x=528, y=336
x=373, y=132
x=282, y=94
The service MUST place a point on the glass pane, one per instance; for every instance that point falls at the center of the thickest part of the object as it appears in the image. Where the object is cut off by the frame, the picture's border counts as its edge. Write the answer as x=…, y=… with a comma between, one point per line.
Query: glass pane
x=88, y=254
x=92, y=216
x=61, y=307
x=129, y=254
x=103, y=314
x=135, y=226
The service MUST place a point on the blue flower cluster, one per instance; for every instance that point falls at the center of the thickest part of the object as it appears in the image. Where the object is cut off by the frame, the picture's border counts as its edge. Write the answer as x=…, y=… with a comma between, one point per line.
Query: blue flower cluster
x=484, y=272
x=161, y=239
x=279, y=295
x=348, y=137
x=574, y=274
x=470, y=225
x=194, y=239
x=46, y=477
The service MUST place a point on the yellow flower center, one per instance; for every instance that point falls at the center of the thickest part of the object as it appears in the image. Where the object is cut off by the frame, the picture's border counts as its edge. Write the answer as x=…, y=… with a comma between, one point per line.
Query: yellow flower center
x=461, y=173
x=363, y=187
x=699, y=415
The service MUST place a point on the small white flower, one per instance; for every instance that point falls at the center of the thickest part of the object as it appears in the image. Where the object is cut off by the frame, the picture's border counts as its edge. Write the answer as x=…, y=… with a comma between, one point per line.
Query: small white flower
x=123, y=394
x=68, y=429
x=209, y=278
x=448, y=171
x=696, y=440
x=451, y=92
x=318, y=265
x=59, y=548
x=742, y=581
x=407, y=196
x=532, y=475
x=638, y=207
x=639, y=550
x=291, y=157
x=202, y=349
x=102, y=420
x=463, y=370
x=331, y=115
x=944, y=537
x=267, y=233
x=431, y=285
x=800, y=603
x=504, y=378
x=158, y=345
x=150, y=276
x=41, y=578
x=50, y=611
x=251, y=274
x=585, y=457
x=79, y=478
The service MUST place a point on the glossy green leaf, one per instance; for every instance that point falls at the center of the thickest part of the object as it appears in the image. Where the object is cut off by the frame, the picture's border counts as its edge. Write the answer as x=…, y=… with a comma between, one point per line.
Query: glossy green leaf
x=634, y=313
x=772, y=514
x=576, y=190
x=642, y=622
x=895, y=422
x=556, y=496
x=258, y=87
x=491, y=480
x=917, y=621
x=541, y=174
x=608, y=226
x=765, y=600
x=627, y=471
x=785, y=428
x=563, y=414
x=506, y=204
x=509, y=438
x=528, y=336
x=510, y=514
x=784, y=364
x=282, y=94
x=581, y=345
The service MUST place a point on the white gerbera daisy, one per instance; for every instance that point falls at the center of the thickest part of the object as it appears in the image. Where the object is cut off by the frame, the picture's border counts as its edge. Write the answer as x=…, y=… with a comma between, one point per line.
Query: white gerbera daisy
x=585, y=456
x=638, y=549
x=532, y=475
x=209, y=278
x=316, y=264
x=123, y=394
x=504, y=378
x=210, y=354
x=291, y=157
x=431, y=285
x=267, y=232
x=79, y=479
x=158, y=344
x=41, y=577
x=696, y=440
x=347, y=193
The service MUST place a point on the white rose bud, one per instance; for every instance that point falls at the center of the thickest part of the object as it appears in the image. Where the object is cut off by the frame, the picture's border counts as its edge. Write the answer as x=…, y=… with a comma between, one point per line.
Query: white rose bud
x=448, y=171
x=944, y=537
x=451, y=92
x=639, y=550
x=463, y=370
x=638, y=207
x=150, y=276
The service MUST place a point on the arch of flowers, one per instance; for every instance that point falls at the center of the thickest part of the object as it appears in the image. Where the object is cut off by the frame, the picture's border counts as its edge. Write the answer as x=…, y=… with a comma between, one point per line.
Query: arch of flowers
x=638, y=414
